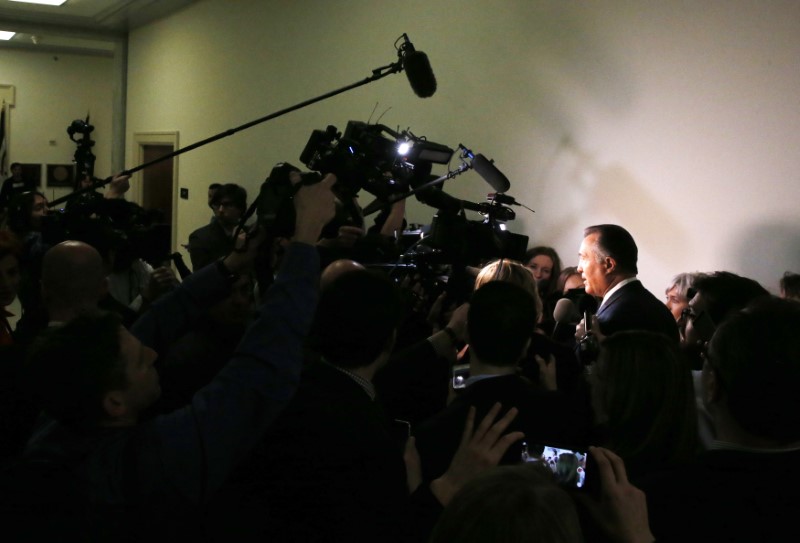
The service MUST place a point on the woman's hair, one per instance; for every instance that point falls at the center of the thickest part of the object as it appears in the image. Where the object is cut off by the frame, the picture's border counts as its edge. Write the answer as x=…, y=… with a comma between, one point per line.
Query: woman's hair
x=567, y=470
x=9, y=244
x=547, y=287
x=684, y=281
x=510, y=504
x=19, y=212
x=510, y=271
x=644, y=399
x=565, y=274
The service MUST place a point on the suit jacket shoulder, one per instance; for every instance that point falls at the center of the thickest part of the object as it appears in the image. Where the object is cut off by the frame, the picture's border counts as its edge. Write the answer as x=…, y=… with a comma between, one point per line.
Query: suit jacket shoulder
x=633, y=307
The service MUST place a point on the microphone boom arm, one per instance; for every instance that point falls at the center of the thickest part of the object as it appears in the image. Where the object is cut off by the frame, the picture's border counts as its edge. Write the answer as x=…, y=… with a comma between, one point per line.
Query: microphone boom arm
x=377, y=73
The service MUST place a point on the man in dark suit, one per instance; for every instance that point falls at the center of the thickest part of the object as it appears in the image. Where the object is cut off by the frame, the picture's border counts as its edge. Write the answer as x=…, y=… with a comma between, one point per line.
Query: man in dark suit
x=214, y=240
x=607, y=264
x=500, y=322
x=332, y=468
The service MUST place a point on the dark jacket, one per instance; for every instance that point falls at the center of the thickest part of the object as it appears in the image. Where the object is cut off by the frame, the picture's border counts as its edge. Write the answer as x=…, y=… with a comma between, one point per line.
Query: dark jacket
x=126, y=483
x=633, y=307
x=546, y=418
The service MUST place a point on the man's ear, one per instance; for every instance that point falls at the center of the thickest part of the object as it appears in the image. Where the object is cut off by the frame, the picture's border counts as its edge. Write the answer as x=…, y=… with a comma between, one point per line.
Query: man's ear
x=610, y=265
x=114, y=404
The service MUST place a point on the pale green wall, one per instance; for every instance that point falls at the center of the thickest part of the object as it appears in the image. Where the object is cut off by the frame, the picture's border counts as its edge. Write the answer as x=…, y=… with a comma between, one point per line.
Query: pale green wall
x=52, y=91
x=678, y=120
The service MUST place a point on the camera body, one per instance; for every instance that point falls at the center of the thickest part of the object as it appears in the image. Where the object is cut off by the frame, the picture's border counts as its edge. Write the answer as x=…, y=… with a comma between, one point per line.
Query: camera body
x=369, y=157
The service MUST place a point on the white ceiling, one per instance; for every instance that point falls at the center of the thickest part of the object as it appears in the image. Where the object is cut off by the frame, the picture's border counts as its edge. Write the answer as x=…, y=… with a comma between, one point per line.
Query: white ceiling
x=91, y=27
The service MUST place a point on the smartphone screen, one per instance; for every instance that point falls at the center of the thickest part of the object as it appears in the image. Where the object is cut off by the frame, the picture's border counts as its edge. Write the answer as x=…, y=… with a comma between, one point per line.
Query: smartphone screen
x=569, y=466
x=460, y=376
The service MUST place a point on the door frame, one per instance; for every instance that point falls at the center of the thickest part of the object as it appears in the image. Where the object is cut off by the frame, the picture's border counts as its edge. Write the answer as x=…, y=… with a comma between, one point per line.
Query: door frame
x=140, y=139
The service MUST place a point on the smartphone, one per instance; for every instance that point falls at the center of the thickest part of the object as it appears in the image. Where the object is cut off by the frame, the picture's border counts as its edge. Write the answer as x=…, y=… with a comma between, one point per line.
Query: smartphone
x=460, y=376
x=568, y=465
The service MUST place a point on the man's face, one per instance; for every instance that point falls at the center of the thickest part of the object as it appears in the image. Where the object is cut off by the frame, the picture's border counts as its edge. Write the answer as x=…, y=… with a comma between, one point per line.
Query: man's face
x=143, y=386
x=676, y=303
x=9, y=279
x=16, y=172
x=593, y=273
x=227, y=213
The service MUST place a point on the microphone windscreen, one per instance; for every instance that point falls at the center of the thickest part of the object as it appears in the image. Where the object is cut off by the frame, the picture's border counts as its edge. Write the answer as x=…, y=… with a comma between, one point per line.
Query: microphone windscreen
x=565, y=312
x=419, y=73
x=484, y=167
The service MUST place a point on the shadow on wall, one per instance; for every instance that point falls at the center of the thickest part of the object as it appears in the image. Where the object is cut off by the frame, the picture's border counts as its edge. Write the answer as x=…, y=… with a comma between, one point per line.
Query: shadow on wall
x=611, y=193
x=764, y=252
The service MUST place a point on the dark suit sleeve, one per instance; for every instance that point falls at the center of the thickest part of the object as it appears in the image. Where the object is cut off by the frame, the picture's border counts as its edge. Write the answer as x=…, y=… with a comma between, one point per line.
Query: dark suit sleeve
x=191, y=451
x=171, y=316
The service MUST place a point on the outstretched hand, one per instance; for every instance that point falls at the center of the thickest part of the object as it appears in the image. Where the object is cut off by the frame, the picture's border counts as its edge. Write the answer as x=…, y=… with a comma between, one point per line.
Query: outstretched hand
x=245, y=250
x=119, y=185
x=315, y=207
x=622, y=511
x=481, y=448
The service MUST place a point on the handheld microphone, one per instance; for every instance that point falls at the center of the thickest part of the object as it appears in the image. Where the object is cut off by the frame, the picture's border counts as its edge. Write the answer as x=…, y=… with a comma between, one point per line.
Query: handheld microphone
x=418, y=69
x=565, y=312
x=486, y=169
x=587, y=305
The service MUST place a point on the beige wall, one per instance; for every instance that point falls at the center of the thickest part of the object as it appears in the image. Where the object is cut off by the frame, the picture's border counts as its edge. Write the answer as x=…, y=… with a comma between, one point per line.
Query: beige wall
x=52, y=91
x=678, y=120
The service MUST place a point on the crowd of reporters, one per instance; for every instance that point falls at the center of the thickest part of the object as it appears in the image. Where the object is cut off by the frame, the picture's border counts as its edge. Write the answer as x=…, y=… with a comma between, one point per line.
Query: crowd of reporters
x=321, y=403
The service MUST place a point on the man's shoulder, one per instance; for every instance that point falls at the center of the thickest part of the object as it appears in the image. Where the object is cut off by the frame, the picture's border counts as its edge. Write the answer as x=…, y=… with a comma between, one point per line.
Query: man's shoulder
x=205, y=231
x=633, y=307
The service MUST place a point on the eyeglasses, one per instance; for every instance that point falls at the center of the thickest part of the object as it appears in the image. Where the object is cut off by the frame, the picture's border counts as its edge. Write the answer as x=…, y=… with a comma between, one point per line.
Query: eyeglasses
x=701, y=321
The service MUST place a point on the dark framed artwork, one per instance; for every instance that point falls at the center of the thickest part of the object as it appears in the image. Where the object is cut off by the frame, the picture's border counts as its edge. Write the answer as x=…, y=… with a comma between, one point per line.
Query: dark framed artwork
x=60, y=175
x=32, y=171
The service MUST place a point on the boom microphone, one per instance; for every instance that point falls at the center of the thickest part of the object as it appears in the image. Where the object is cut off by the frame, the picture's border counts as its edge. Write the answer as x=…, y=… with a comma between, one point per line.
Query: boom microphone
x=418, y=69
x=486, y=169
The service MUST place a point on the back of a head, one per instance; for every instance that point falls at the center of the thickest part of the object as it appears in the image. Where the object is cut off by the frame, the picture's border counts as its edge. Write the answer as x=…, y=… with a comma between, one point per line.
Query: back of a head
x=356, y=318
x=725, y=292
x=70, y=367
x=73, y=276
x=507, y=505
x=510, y=271
x=643, y=394
x=790, y=285
x=616, y=242
x=502, y=316
x=756, y=356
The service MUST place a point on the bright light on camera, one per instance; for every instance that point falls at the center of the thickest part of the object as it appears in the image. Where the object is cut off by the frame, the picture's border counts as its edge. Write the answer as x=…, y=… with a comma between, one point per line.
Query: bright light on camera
x=403, y=148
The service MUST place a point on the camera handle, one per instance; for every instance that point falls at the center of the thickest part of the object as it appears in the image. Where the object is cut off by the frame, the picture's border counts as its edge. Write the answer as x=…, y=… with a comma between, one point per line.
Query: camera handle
x=377, y=73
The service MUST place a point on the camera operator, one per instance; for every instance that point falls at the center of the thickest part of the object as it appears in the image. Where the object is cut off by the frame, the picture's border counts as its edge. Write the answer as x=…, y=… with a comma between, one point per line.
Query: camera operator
x=93, y=470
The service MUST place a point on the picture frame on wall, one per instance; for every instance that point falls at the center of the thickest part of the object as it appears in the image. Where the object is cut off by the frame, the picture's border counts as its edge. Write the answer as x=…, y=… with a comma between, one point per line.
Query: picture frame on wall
x=32, y=171
x=61, y=175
